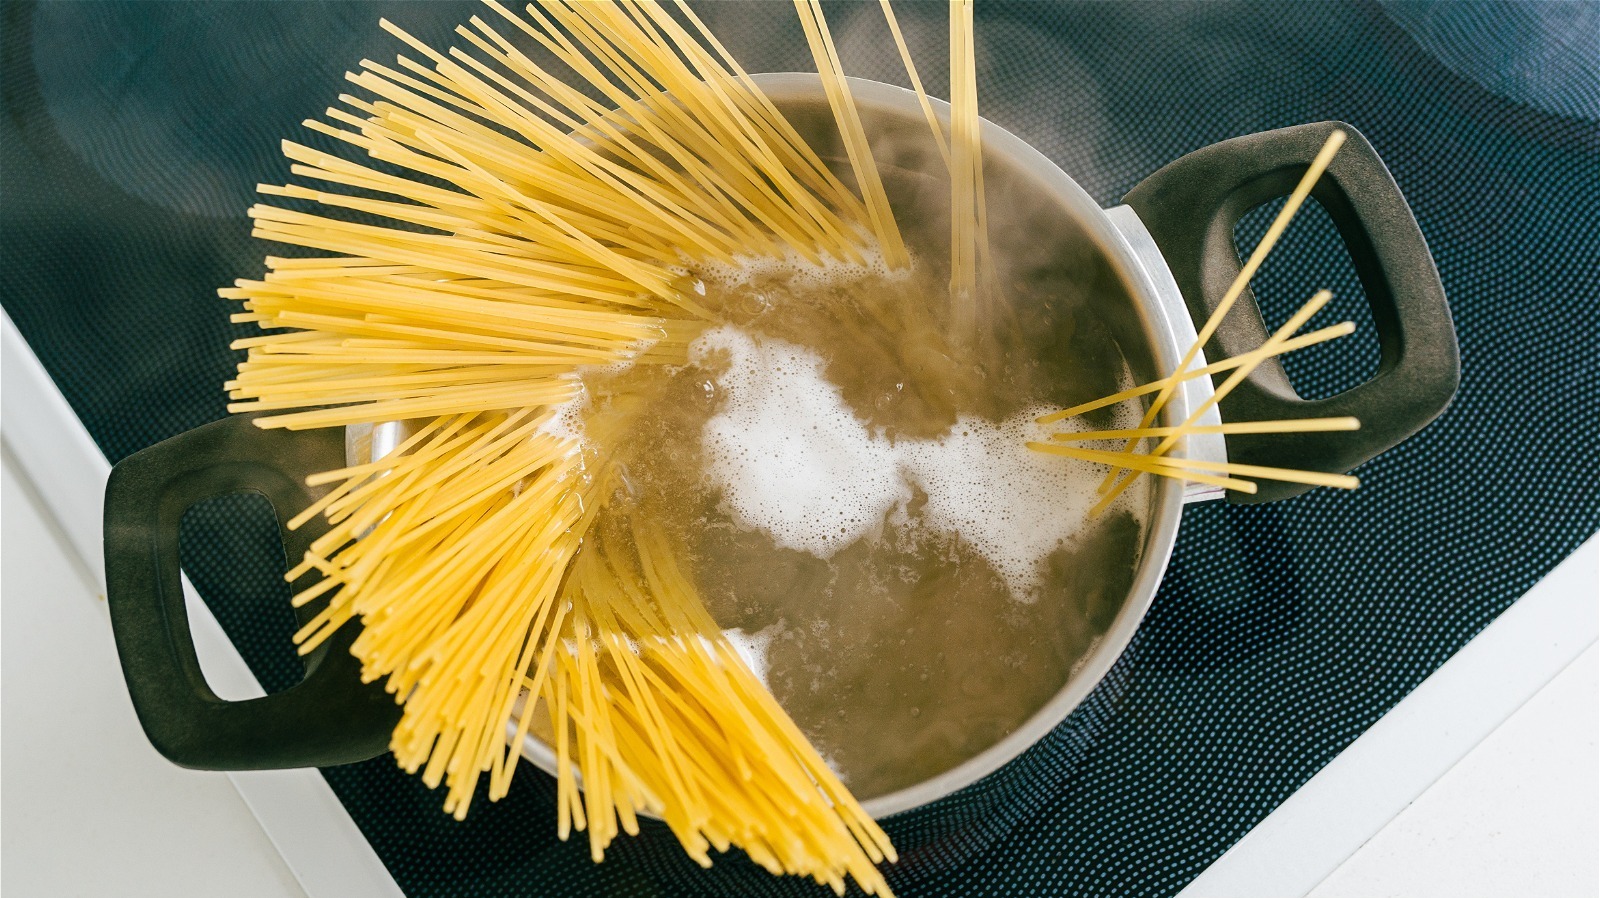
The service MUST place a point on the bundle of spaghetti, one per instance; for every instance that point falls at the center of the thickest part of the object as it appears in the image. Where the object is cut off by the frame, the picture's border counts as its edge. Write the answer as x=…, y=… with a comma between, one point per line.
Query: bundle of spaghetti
x=495, y=226
x=451, y=549
x=505, y=226
x=1174, y=380
x=856, y=146
x=1111, y=487
x=1226, y=474
x=1223, y=474
x=969, y=226
x=665, y=717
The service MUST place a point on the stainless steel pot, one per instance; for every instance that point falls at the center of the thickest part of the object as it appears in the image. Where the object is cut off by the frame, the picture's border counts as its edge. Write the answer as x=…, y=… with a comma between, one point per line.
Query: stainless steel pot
x=1170, y=250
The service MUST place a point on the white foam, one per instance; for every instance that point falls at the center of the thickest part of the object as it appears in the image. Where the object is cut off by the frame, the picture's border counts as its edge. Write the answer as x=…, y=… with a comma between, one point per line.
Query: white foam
x=789, y=455
x=793, y=461
x=752, y=648
x=1011, y=504
x=797, y=271
x=566, y=419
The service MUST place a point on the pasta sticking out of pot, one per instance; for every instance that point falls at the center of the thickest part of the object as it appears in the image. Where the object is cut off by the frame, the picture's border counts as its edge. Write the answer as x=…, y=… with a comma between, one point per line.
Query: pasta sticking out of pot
x=1125, y=465
x=502, y=224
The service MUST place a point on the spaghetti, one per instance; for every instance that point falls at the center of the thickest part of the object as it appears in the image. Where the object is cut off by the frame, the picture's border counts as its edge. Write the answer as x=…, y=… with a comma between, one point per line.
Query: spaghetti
x=491, y=226
x=1222, y=474
x=1125, y=466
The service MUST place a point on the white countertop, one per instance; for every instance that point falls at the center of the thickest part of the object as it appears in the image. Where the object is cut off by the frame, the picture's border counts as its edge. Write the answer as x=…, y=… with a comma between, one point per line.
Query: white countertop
x=90, y=808
x=1516, y=816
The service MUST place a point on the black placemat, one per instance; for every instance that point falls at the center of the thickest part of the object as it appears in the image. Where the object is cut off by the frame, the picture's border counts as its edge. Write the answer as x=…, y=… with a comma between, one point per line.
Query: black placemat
x=132, y=134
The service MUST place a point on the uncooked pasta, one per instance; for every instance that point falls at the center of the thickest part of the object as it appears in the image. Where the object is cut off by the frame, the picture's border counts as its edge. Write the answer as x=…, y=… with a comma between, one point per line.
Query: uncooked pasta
x=498, y=222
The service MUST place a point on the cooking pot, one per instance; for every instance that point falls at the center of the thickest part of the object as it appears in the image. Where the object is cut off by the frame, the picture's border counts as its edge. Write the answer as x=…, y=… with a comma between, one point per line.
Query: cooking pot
x=1165, y=255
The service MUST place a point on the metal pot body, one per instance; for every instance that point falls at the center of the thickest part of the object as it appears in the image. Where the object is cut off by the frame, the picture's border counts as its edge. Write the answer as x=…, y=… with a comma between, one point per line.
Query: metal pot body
x=1171, y=252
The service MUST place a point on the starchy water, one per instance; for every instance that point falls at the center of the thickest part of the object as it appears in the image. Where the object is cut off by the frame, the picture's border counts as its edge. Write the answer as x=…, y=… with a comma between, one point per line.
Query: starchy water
x=851, y=491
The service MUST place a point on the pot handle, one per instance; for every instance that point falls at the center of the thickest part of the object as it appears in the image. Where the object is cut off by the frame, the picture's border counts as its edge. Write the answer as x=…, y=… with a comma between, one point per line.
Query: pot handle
x=328, y=718
x=1191, y=207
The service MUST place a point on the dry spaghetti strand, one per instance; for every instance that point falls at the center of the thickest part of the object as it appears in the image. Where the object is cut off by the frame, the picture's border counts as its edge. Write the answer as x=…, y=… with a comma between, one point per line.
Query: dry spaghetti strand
x=1292, y=205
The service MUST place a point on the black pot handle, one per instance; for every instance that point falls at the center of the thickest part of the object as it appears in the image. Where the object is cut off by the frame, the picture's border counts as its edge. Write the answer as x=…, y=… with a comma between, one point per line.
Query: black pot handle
x=1191, y=207
x=330, y=717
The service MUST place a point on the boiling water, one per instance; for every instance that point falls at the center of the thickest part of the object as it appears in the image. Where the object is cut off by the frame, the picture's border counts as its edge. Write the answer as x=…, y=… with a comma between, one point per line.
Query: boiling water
x=853, y=497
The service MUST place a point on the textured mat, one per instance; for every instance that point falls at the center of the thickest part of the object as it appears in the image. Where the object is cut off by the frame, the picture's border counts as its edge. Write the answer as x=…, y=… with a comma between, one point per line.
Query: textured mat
x=132, y=135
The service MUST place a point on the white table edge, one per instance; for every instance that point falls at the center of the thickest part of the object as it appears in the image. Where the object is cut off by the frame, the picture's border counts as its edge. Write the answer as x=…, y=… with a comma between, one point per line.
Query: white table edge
x=297, y=810
x=1421, y=738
